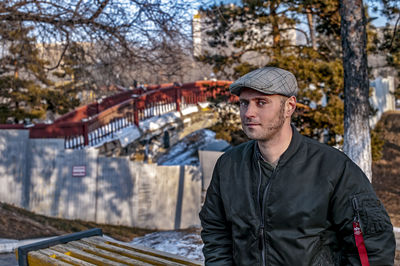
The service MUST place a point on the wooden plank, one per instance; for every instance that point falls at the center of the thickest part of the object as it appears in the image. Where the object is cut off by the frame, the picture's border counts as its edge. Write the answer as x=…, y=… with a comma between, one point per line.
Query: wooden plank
x=76, y=253
x=64, y=257
x=25, y=249
x=105, y=254
x=100, y=243
x=38, y=259
x=157, y=253
x=152, y=252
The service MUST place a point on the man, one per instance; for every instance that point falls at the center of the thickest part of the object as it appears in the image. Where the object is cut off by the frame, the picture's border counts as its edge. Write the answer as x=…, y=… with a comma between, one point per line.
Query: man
x=284, y=199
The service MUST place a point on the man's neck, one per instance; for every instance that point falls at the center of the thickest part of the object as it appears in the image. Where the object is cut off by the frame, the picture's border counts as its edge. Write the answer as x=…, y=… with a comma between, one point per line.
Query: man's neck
x=272, y=149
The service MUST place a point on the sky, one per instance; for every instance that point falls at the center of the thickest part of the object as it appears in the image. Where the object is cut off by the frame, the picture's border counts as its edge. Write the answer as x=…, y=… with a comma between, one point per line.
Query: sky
x=380, y=21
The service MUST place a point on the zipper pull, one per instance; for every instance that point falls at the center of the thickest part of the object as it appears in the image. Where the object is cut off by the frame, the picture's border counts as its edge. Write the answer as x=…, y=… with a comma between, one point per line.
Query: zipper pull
x=261, y=238
x=358, y=235
x=355, y=204
x=357, y=210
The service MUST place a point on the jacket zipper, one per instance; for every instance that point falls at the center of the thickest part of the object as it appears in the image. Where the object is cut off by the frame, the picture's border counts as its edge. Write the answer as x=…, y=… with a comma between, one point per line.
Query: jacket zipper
x=261, y=230
x=261, y=243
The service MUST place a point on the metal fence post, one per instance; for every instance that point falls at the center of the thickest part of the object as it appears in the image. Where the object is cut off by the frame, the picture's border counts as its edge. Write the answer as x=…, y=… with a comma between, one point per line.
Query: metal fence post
x=135, y=110
x=85, y=132
x=178, y=99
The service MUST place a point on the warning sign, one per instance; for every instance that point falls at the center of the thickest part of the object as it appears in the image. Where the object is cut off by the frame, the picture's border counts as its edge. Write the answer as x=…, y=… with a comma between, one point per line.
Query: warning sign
x=79, y=171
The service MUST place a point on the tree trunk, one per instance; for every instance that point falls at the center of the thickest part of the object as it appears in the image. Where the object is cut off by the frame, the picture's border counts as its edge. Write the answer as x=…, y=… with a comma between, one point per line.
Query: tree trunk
x=276, y=35
x=311, y=27
x=357, y=140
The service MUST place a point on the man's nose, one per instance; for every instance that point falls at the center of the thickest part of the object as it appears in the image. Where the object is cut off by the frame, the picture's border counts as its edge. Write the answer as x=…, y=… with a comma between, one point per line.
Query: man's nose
x=250, y=111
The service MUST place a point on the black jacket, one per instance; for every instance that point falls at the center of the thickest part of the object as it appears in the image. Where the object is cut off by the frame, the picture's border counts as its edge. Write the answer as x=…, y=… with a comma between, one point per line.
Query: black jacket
x=306, y=214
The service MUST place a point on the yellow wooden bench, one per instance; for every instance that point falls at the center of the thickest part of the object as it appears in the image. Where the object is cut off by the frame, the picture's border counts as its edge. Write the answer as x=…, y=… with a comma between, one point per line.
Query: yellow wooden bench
x=91, y=248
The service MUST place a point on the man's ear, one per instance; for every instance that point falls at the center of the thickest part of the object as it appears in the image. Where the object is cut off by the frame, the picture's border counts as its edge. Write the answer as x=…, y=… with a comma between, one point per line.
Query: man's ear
x=290, y=106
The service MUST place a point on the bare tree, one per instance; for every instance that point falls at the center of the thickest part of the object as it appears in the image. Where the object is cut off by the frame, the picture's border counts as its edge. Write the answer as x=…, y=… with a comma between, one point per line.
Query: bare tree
x=130, y=29
x=89, y=43
x=357, y=140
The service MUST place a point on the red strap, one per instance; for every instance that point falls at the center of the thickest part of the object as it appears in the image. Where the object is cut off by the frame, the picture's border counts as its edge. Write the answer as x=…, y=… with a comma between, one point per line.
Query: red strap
x=362, y=251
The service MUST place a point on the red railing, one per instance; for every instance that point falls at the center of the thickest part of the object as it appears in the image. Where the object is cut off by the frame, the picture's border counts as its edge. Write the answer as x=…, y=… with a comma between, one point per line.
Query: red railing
x=89, y=124
x=12, y=126
x=97, y=107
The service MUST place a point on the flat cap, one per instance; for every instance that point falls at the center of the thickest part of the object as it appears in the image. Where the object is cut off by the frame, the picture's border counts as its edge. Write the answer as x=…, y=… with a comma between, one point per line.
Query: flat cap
x=267, y=80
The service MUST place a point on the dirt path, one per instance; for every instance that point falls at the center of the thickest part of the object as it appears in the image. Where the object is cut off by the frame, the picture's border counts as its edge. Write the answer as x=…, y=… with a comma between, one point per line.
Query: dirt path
x=17, y=223
x=386, y=172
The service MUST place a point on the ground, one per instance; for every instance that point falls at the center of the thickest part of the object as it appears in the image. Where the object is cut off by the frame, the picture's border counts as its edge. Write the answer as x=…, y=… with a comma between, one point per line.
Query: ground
x=386, y=171
x=17, y=223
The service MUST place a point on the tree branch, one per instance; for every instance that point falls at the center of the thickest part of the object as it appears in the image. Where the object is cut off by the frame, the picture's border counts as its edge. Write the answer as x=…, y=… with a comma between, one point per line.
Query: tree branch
x=62, y=53
x=394, y=32
x=99, y=10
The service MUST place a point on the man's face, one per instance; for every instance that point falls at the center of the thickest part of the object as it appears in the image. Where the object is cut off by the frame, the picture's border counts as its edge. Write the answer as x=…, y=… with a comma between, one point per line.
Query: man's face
x=262, y=115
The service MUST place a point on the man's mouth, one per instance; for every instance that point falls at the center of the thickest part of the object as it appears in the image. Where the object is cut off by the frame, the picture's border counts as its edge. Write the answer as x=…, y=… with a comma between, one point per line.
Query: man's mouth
x=251, y=124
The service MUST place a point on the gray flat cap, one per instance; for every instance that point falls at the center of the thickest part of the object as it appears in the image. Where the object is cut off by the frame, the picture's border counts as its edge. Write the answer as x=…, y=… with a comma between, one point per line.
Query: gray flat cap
x=268, y=80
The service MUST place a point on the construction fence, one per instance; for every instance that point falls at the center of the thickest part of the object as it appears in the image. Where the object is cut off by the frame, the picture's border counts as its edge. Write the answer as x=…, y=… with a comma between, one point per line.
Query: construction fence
x=41, y=176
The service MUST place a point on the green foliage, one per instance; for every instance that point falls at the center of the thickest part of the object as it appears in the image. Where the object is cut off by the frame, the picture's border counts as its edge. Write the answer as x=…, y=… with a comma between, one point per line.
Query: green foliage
x=234, y=136
x=229, y=127
x=397, y=92
x=75, y=64
x=327, y=17
x=232, y=40
x=22, y=99
x=221, y=132
x=60, y=102
x=260, y=27
x=391, y=47
x=389, y=43
x=25, y=89
x=244, y=68
x=377, y=142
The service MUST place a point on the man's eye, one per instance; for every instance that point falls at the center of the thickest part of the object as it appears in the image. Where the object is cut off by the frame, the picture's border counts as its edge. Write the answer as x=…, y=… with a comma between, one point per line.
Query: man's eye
x=243, y=103
x=261, y=103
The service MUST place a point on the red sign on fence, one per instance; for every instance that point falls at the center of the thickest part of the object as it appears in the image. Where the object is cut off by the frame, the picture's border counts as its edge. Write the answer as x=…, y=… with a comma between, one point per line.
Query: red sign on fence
x=79, y=171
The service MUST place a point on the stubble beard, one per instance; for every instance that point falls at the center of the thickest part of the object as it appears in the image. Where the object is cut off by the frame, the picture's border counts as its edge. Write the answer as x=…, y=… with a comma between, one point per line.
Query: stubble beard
x=271, y=130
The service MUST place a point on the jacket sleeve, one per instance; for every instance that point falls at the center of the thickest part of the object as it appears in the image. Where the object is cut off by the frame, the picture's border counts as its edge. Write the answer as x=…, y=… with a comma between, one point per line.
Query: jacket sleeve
x=216, y=230
x=354, y=196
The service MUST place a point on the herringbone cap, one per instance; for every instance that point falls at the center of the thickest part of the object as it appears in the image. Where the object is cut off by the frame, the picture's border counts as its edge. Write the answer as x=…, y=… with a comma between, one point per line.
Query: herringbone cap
x=267, y=80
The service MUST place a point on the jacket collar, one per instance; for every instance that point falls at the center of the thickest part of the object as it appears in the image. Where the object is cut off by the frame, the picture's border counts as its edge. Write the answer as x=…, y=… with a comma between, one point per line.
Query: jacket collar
x=290, y=151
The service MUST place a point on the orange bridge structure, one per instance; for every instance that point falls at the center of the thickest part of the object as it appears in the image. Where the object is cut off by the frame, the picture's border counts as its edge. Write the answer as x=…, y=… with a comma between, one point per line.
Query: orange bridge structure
x=88, y=124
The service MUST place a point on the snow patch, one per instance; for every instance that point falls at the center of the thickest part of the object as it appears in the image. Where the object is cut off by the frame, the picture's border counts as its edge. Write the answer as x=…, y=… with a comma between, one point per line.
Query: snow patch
x=125, y=135
x=128, y=135
x=203, y=104
x=180, y=243
x=157, y=122
x=190, y=109
x=185, y=152
x=9, y=245
x=131, y=132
